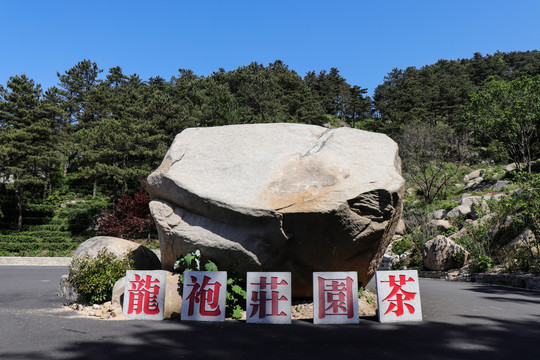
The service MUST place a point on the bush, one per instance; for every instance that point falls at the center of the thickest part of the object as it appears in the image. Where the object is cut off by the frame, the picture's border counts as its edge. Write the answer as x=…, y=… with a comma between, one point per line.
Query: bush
x=131, y=217
x=93, y=278
x=80, y=216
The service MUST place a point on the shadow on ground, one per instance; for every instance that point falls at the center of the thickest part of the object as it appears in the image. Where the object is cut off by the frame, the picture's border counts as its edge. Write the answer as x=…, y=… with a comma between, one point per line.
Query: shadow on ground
x=493, y=339
x=507, y=294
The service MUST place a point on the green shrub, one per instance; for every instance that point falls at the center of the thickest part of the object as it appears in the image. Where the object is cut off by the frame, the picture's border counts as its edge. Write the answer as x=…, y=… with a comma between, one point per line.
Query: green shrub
x=93, y=278
x=400, y=247
x=79, y=216
x=482, y=263
x=527, y=260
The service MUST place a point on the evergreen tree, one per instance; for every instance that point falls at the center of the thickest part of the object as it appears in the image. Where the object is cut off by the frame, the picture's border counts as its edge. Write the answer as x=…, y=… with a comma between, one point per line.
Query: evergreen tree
x=27, y=140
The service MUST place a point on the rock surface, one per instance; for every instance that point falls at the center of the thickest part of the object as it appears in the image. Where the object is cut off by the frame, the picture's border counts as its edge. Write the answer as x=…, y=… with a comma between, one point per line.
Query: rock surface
x=441, y=254
x=144, y=258
x=459, y=210
x=279, y=197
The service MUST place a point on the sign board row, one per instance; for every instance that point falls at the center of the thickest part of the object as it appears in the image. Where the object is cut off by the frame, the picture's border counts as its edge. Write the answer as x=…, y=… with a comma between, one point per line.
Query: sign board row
x=268, y=299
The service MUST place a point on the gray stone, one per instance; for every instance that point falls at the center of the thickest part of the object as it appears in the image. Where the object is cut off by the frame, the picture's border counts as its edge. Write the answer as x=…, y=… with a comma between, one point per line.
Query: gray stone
x=500, y=184
x=459, y=210
x=441, y=254
x=471, y=200
x=438, y=214
x=472, y=184
x=400, y=229
x=498, y=197
x=525, y=239
x=473, y=175
x=280, y=197
x=387, y=262
x=118, y=292
x=510, y=167
x=441, y=225
x=144, y=258
x=66, y=291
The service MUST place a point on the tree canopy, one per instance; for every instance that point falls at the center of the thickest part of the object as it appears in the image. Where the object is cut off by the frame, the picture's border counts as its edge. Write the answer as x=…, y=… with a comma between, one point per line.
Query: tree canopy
x=100, y=133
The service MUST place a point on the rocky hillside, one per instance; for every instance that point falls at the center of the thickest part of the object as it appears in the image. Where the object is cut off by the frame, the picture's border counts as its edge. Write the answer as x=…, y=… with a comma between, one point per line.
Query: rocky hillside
x=487, y=222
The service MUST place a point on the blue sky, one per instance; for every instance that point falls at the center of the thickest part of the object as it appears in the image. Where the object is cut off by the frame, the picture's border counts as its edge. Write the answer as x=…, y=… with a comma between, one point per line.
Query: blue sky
x=364, y=39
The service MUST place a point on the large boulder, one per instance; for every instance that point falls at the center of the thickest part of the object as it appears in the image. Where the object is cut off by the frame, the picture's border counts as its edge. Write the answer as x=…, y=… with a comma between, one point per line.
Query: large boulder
x=442, y=254
x=143, y=258
x=279, y=197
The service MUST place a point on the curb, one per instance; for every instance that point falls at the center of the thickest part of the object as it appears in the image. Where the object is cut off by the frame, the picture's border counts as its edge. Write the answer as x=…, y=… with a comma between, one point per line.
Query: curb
x=35, y=261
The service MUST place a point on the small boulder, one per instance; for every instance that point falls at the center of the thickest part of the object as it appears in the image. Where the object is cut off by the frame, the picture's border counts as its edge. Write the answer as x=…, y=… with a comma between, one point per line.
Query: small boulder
x=474, y=183
x=442, y=254
x=459, y=210
x=143, y=258
x=473, y=175
x=118, y=292
x=471, y=200
x=438, y=214
x=500, y=184
x=66, y=291
x=441, y=225
x=510, y=167
x=525, y=239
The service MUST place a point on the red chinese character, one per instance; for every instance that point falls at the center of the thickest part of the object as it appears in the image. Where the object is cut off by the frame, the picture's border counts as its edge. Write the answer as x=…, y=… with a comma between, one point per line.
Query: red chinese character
x=396, y=304
x=207, y=295
x=143, y=296
x=335, y=297
x=260, y=298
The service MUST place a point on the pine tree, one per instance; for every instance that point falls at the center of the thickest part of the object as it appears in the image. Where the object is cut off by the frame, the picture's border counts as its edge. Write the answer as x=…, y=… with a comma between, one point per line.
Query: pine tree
x=27, y=140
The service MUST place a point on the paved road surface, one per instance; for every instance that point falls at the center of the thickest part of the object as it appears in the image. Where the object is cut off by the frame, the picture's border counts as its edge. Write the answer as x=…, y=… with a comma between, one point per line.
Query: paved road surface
x=461, y=321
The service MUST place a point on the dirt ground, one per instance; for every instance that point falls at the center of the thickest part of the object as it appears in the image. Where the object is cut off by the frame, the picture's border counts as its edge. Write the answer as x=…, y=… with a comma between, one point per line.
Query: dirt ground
x=301, y=309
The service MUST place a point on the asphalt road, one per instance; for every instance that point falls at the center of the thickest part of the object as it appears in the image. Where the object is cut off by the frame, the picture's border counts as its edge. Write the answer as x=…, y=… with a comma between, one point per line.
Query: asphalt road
x=461, y=321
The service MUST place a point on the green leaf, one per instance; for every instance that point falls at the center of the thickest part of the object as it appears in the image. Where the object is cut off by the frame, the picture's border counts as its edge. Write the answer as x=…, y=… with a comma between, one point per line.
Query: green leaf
x=210, y=266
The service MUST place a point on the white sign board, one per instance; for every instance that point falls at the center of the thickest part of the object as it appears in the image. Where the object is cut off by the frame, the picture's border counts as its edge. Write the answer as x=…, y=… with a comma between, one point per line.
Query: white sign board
x=204, y=295
x=335, y=297
x=268, y=298
x=398, y=296
x=144, y=294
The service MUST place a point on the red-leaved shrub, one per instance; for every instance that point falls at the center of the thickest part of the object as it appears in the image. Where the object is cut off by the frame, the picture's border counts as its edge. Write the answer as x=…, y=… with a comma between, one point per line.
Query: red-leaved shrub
x=131, y=217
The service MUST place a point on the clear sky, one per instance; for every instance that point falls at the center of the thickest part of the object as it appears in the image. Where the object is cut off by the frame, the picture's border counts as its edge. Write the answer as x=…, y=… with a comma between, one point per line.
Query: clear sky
x=364, y=39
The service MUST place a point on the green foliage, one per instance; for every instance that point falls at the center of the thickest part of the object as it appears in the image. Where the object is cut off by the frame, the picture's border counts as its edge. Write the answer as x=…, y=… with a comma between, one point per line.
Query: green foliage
x=27, y=140
x=508, y=115
x=527, y=260
x=400, y=247
x=432, y=156
x=482, y=263
x=38, y=240
x=438, y=92
x=94, y=278
x=362, y=293
x=235, y=296
x=80, y=216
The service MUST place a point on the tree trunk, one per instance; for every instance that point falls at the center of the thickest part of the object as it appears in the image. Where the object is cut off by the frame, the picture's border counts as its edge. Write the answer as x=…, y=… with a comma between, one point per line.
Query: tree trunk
x=19, y=194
